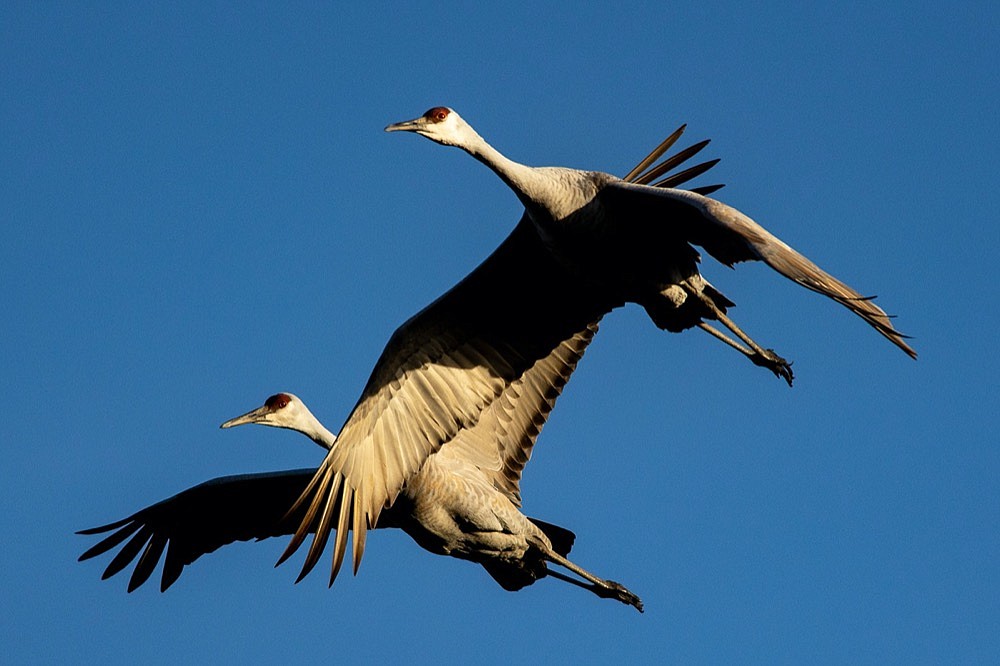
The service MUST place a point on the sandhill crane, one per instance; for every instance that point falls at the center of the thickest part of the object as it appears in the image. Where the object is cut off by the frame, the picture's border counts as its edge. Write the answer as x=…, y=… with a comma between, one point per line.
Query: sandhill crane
x=497, y=440
x=588, y=242
x=451, y=506
x=637, y=240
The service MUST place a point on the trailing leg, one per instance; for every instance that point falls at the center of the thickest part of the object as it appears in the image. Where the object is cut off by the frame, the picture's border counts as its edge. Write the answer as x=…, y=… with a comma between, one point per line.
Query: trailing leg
x=766, y=358
x=606, y=589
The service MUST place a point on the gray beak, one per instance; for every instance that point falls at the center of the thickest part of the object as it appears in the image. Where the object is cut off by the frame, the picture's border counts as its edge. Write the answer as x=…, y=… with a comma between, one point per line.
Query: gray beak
x=254, y=416
x=406, y=126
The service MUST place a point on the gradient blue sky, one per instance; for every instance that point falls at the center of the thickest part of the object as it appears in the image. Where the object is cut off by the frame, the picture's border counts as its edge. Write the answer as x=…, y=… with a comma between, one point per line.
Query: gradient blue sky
x=200, y=208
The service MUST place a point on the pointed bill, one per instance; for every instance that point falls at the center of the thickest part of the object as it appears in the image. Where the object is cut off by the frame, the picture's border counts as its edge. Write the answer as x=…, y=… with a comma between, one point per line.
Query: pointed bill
x=253, y=416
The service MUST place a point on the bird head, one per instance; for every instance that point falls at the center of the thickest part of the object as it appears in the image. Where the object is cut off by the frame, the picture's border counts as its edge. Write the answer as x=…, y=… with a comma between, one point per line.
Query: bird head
x=281, y=410
x=439, y=124
x=284, y=410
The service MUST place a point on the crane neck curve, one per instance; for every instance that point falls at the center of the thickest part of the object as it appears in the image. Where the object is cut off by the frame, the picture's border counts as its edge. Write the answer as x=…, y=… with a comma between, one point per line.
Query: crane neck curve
x=318, y=433
x=527, y=182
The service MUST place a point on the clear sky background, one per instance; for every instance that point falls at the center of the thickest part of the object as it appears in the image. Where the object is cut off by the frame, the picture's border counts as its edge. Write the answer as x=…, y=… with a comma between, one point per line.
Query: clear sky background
x=199, y=208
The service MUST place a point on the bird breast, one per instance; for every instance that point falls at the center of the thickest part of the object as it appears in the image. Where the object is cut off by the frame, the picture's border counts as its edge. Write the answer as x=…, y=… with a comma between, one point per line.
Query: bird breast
x=455, y=510
x=559, y=196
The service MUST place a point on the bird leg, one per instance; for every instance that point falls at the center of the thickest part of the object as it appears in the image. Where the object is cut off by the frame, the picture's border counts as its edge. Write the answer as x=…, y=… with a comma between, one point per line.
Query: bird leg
x=765, y=358
x=606, y=589
x=751, y=354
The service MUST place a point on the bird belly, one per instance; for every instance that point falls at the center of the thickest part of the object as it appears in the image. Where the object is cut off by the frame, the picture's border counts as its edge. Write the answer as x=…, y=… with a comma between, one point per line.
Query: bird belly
x=459, y=513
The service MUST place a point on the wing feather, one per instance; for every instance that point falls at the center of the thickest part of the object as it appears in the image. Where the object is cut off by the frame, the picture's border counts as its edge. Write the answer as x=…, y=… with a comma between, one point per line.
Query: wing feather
x=473, y=371
x=731, y=237
x=445, y=368
x=201, y=519
x=491, y=356
x=500, y=443
x=147, y=561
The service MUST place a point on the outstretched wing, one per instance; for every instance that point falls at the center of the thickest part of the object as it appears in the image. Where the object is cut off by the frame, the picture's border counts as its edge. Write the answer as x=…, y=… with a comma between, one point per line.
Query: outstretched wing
x=479, y=369
x=440, y=372
x=731, y=237
x=501, y=442
x=198, y=521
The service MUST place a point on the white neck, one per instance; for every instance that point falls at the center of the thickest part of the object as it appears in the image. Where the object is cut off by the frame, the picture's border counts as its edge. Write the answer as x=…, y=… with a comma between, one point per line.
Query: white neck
x=529, y=185
x=317, y=432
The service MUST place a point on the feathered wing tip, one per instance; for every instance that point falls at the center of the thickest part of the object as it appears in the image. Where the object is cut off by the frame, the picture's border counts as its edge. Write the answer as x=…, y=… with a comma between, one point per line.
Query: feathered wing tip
x=329, y=495
x=705, y=190
x=688, y=174
x=655, y=155
x=141, y=536
x=644, y=172
x=864, y=307
x=778, y=255
x=800, y=269
x=100, y=530
x=173, y=565
x=129, y=527
x=197, y=521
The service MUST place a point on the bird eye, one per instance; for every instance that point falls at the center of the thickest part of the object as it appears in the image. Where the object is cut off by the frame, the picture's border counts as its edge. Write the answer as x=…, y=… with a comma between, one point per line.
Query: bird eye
x=277, y=401
x=437, y=114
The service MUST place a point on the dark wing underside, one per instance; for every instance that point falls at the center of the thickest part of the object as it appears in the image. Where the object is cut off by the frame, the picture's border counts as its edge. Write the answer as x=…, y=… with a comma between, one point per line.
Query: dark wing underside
x=200, y=520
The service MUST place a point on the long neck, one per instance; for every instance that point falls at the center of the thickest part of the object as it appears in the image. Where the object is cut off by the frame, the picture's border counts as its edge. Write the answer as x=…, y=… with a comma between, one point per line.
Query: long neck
x=528, y=183
x=318, y=433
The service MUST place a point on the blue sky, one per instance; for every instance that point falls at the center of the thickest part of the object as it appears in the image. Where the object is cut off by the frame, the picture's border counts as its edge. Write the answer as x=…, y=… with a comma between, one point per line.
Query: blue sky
x=200, y=208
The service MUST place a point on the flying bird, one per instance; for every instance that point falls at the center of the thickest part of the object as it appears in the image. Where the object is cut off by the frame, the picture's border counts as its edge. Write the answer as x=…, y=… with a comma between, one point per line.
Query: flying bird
x=487, y=453
x=637, y=239
x=451, y=506
x=587, y=243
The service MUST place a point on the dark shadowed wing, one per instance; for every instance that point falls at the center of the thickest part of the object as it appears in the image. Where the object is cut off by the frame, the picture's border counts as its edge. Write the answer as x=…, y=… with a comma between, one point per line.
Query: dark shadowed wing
x=198, y=521
x=501, y=442
x=438, y=375
x=479, y=369
x=731, y=237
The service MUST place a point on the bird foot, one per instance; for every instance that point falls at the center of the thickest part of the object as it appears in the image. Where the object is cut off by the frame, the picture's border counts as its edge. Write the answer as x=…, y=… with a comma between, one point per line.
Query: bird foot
x=766, y=358
x=620, y=592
